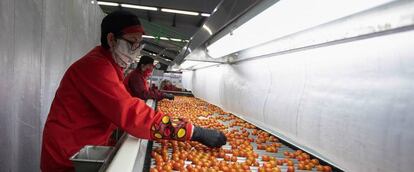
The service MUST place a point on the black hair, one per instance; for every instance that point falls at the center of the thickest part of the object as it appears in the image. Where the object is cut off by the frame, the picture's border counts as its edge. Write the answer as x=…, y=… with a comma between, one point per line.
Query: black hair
x=145, y=60
x=115, y=22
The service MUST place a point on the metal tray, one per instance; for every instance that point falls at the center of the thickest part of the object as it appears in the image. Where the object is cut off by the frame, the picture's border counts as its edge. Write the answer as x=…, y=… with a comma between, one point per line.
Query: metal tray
x=91, y=158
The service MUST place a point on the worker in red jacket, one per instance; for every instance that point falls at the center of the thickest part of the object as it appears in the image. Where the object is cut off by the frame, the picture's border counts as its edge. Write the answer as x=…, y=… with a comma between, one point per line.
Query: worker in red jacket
x=136, y=81
x=92, y=100
x=168, y=86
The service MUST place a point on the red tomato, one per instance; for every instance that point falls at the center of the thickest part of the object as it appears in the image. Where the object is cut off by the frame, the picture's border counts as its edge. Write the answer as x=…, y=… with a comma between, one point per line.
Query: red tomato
x=290, y=169
x=327, y=168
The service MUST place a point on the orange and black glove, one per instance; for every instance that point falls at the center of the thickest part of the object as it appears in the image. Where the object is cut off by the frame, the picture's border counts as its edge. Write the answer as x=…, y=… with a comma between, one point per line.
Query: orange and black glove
x=171, y=129
x=169, y=96
x=209, y=137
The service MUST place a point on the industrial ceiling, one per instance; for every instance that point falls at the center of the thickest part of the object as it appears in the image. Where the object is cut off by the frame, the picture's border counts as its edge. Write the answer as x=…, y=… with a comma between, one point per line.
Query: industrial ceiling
x=166, y=32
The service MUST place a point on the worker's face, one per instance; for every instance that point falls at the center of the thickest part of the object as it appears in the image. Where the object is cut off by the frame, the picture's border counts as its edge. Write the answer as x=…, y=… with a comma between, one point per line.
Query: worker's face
x=126, y=48
x=147, y=69
x=133, y=40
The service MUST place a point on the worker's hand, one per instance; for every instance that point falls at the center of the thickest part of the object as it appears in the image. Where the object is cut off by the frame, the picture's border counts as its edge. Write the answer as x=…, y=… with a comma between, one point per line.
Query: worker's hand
x=169, y=96
x=209, y=137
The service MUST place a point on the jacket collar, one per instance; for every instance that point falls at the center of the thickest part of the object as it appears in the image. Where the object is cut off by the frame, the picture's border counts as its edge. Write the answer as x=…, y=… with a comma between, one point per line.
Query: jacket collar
x=108, y=55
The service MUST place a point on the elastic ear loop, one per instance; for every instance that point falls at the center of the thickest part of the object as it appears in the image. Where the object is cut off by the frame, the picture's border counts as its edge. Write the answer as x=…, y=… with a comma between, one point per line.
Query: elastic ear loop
x=139, y=49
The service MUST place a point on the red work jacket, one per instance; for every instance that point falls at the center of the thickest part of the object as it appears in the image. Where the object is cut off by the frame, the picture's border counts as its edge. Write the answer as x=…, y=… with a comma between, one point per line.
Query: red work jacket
x=90, y=101
x=171, y=88
x=137, y=85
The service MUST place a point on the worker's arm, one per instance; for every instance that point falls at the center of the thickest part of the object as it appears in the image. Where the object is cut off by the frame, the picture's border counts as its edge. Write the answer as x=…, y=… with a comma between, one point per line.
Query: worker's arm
x=138, y=89
x=98, y=81
x=158, y=95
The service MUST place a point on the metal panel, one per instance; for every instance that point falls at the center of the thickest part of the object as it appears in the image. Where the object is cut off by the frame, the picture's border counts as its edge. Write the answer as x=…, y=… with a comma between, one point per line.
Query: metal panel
x=21, y=87
x=389, y=18
x=340, y=90
x=6, y=70
x=349, y=103
x=39, y=39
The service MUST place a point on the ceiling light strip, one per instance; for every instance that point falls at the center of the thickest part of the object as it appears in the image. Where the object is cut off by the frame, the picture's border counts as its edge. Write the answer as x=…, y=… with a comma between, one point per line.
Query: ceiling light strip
x=141, y=7
x=148, y=36
x=179, y=12
x=175, y=39
x=165, y=38
x=205, y=14
x=207, y=29
x=108, y=3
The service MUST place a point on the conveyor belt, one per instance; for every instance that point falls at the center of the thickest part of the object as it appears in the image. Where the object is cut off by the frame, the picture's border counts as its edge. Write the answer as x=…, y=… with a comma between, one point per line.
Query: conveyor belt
x=277, y=162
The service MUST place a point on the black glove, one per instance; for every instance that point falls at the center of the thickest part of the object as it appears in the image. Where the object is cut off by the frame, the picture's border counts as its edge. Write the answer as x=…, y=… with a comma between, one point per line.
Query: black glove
x=169, y=96
x=209, y=137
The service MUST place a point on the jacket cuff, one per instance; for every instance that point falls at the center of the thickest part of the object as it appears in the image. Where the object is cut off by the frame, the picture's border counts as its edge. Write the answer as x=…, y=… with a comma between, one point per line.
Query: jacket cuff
x=190, y=128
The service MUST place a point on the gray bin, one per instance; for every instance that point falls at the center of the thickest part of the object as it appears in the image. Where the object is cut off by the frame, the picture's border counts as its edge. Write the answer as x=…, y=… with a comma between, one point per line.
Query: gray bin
x=91, y=158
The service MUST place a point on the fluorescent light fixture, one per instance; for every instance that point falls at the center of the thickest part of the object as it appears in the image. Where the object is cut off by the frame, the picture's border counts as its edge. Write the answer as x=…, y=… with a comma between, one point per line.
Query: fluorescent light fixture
x=215, y=9
x=188, y=64
x=108, y=3
x=205, y=14
x=175, y=69
x=164, y=38
x=175, y=39
x=259, y=30
x=207, y=29
x=179, y=12
x=139, y=7
x=148, y=36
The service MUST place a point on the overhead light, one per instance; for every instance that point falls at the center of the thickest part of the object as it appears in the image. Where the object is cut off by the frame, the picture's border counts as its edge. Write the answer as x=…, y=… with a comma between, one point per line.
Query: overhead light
x=207, y=29
x=139, y=7
x=215, y=9
x=205, y=14
x=176, y=40
x=179, y=12
x=188, y=64
x=258, y=30
x=164, y=38
x=108, y=3
x=92, y=2
x=175, y=69
x=148, y=36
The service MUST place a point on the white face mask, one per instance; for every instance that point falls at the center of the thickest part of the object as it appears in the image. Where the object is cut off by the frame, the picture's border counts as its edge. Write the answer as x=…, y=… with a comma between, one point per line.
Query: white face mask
x=123, y=53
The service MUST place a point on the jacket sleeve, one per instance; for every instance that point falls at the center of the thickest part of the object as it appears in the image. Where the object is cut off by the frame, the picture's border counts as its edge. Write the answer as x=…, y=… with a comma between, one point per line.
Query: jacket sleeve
x=157, y=94
x=97, y=80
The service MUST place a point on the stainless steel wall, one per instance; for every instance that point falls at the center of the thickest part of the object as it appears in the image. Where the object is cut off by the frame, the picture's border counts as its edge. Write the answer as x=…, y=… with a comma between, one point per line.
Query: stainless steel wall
x=350, y=102
x=39, y=39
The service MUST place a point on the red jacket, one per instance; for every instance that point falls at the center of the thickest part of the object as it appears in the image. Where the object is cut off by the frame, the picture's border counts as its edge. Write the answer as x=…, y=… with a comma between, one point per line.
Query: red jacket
x=171, y=88
x=137, y=85
x=90, y=101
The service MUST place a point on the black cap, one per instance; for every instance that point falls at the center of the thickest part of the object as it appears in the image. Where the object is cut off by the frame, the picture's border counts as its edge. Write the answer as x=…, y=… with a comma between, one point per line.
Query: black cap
x=145, y=60
x=115, y=22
